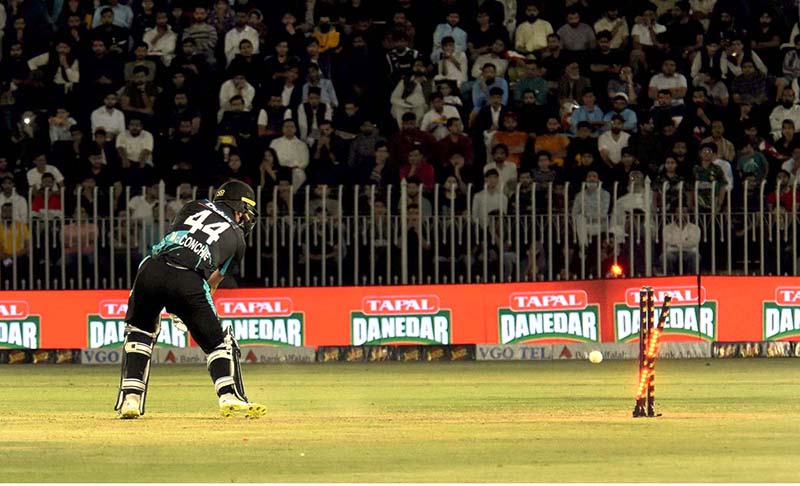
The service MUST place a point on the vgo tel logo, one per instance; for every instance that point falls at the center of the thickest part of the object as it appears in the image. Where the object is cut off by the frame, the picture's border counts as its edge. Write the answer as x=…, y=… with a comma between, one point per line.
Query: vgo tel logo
x=18, y=329
x=267, y=321
x=536, y=316
x=683, y=313
x=782, y=317
x=400, y=319
x=106, y=328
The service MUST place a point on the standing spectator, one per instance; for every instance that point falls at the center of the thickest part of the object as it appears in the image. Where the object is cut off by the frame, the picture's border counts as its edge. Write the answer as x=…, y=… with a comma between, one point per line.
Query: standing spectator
x=705, y=174
x=240, y=31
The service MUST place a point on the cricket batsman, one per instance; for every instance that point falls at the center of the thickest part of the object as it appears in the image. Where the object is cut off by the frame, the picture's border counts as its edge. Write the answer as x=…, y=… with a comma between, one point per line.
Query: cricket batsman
x=181, y=274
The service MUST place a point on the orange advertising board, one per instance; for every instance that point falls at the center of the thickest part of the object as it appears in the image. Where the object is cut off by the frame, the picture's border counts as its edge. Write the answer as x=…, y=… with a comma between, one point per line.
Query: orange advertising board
x=724, y=309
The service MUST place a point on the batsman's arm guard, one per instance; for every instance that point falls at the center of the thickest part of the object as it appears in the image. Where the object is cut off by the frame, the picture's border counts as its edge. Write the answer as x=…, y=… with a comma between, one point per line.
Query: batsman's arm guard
x=135, y=370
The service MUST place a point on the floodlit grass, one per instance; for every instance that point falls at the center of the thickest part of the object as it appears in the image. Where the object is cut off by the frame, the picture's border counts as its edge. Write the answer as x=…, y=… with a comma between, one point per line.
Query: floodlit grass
x=434, y=422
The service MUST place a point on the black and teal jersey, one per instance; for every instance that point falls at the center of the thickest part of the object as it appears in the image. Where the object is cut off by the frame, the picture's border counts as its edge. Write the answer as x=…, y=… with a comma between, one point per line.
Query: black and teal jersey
x=203, y=237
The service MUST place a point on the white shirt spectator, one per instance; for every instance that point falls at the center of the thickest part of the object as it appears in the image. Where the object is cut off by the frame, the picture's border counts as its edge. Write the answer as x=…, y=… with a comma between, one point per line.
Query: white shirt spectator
x=607, y=24
x=292, y=153
x=779, y=114
x=235, y=36
x=684, y=238
x=134, y=146
x=677, y=80
x=485, y=202
x=532, y=37
x=310, y=127
x=73, y=73
x=19, y=207
x=35, y=177
x=228, y=90
x=163, y=47
x=606, y=142
x=60, y=132
x=457, y=74
x=112, y=121
x=500, y=64
x=730, y=70
x=436, y=123
x=642, y=33
x=507, y=180
x=728, y=171
x=123, y=15
x=141, y=209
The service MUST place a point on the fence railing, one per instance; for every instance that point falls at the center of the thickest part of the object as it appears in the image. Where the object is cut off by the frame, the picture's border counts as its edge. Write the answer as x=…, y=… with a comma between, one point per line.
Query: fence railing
x=379, y=236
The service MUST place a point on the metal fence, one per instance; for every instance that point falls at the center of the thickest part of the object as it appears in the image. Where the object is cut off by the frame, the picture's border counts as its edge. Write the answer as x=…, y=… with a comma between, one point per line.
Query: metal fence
x=376, y=236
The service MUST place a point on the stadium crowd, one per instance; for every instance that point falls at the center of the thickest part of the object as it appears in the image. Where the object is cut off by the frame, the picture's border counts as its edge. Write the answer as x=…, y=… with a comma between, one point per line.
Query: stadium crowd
x=697, y=97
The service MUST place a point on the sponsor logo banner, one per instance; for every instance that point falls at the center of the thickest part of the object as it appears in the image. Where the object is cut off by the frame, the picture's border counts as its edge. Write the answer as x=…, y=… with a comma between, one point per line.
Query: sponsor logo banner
x=179, y=356
x=264, y=321
x=540, y=316
x=673, y=350
x=513, y=352
x=611, y=351
x=106, y=328
x=781, y=317
x=275, y=354
x=111, y=356
x=403, y=319
x=18, y=329
x=684, y=316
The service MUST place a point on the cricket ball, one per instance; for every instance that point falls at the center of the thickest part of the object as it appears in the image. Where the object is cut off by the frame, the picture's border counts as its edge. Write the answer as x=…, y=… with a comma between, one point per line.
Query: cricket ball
x=596, y=357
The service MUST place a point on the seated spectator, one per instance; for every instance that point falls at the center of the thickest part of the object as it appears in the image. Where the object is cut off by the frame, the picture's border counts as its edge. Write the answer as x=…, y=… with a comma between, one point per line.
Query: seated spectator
x=620, y=108
x=311, y=114
x=417, y=166
x=588, y=112
x=401, y=58
x=788, y=109
x=489, y=200
x=140, y=59
x=454, y=143
x=615, y=24
x=452, y=65
x=664, y=111
x=139, y=96
x=239, y=124
x=60, y=126
x=248, y=63
x=682, y=246
x=572, y=85
x=408, y=137
x=752, y=161
x=14, y=239
x=532, y=32
x=554, y=142
x=531, y=80
x=362, y=149
x=236, y=85
x=204, y=36
x=495, y=57
x=415, y=196
x=514, y=140
x=135, y=149
x=46, y=202
x=379, y=171
x=449, y=29
x=716, y=90
x=325, y=87
x=270, y=118
x=114, y=36
x=327, y=157
x=707, y=175
x=234, y=170
x=725, y=149
x=240, y=32
x=669, y=188
x=668, y=79
x=435, y=120
x=40, y=168
x=611, y=143
x=9, y=195
x=575, y=35
x=410, y=94
x=751, y=84
x=482, y=36
x=590, y=209
x=292, y=153
x=108, y=117
x=60, y=70
x=485, y=84
x=326, y=34
x=733, y=59
x=546, y=178
x=161, y=40
x=506, y=169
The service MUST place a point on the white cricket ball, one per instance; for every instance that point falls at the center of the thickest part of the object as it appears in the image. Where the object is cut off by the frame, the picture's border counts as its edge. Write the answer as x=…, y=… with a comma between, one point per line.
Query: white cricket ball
x=596, y=357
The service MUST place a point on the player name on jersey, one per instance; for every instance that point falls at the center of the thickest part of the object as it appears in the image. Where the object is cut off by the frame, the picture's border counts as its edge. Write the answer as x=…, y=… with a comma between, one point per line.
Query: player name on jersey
x=684, y=316
x=106, y=328
x=538, y=316
x=263, y=321
x=397, y=320
x=782, y=316
x=18, y=329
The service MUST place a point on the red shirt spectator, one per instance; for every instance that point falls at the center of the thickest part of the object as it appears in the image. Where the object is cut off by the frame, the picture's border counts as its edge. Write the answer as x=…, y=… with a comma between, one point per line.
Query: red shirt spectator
x=419, y=168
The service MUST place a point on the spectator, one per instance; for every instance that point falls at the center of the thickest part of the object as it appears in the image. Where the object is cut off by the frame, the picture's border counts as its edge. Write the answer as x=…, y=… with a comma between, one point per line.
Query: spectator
x=672, y=186
x=140, y=59
x=786, y=110
x=531, y=80
x=325, y=87
x=411, y=94
x=531, y=35
x=449, y=29
x=415, y=196
x=122, y=14
x=409, y=136
x=753, y=162
x=40, y=168
x=553, y=59
x=732, y=60
x=139, y=96
x=326, y=34
x=715, y=89
x=417, y=166
x=668, y=79
x=725, y=149
x=554, y=142
x=452, y=64
x=435, y=120
x=454, y=143
x=546, y=178
x=495, y=57
x=682, y=246
x=222, y=17
x=203, y=35
x=588, y=112
x=611, y=143
x=113, y=35
x=751, y=85
x=108, y=117
x=575, y=35
x=620, y=108
x=311, y=114
x=490, y=199
x=506, y=170
x=618, y=27
x=46, y=201
x=9, y=195
x=135, y=149
x=572, y=85
x=790, y=67
x=484, y=34
x=514, y=140
x=589, y=211
x=237, y=85
x=380, y=170
x=362, y=150
x=401, y=58
x=292, y=153
x=14, y=240
x=709, y=176
x=327, y=157
x=60, y=126
x=240, y=31
x=247, y=63
x=483, y=87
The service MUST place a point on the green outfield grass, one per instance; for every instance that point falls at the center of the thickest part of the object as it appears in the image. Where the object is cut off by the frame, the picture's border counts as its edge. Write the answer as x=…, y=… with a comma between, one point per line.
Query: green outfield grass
x=731, y=420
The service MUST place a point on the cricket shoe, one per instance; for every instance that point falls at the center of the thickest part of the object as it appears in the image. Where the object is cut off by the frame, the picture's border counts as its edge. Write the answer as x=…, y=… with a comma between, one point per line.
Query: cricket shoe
x=230, y=406
x=130, y=406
